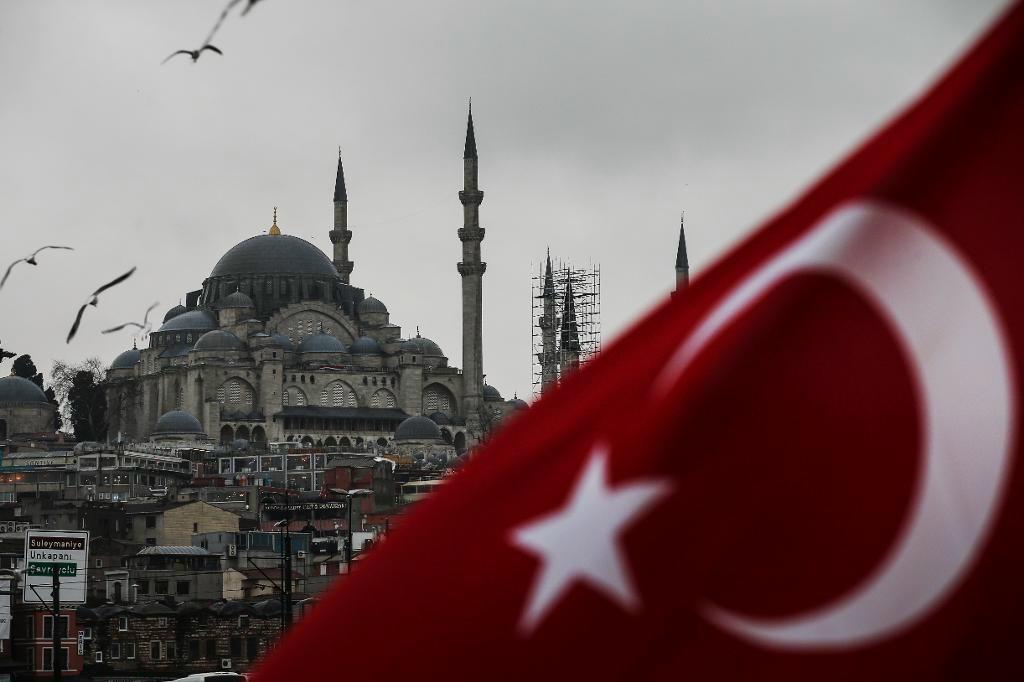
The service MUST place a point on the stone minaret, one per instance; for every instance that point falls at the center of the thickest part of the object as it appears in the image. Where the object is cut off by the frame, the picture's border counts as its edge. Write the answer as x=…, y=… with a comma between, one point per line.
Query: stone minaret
x=548, y=326
x=341, y=235
x=682, y=264
x=569, y=344
x=472, y=270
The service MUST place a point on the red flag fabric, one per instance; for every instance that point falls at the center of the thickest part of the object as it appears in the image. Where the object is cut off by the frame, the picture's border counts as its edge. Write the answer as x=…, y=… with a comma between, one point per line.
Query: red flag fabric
x=806, y=467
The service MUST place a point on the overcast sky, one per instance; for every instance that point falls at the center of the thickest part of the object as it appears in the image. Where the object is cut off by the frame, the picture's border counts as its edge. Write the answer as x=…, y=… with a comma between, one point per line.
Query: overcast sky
x=597, y=123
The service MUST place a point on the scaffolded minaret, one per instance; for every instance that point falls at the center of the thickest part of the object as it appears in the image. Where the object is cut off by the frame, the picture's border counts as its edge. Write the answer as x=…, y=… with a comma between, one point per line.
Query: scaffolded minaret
x=472, y=270
x=341, y=235
x=569, y=343
x=548, y=323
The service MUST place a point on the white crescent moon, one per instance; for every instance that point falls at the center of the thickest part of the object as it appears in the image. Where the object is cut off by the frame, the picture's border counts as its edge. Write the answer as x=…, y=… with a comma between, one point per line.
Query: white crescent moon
x=960, y=363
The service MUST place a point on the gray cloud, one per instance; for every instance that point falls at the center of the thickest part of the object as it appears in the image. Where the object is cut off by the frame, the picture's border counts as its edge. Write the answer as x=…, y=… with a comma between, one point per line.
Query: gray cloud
x=597, y=123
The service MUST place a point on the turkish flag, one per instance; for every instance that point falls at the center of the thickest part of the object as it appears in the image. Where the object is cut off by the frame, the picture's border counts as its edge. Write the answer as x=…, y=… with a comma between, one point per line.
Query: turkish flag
x=805, y=467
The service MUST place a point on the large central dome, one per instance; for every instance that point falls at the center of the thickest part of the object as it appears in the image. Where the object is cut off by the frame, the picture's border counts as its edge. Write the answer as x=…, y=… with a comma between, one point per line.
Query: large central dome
x=274, y=254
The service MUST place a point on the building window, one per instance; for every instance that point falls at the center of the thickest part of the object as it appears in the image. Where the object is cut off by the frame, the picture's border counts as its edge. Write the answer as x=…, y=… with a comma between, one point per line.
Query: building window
x=243, y=622
x=151, y=542
x=161, y=622
x=161, y=587
x=236, y=647
x=195, y=526
x=48, y=658
x=30, y=628
x=122, y=624
x=171, y=650
x=99, y=562
x=143, y=587
x=48, y=627
x=154, y=651
x=115, y=650
x=183, y=587
x=251, y=648
x=211, y=649
x=86, y=633
x=193, y=649
x=150, y=522
x=129, y=650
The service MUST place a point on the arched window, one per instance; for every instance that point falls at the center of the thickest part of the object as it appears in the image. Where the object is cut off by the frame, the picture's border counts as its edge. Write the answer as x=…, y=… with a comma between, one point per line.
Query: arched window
x=179, y=399
x=383, y=398
x=437, y=398
x=294, y=396
x=337, y=394
x=235, y=392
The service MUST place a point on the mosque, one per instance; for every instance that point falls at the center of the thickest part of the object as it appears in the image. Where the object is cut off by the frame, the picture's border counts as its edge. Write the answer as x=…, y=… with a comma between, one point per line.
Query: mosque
x=279, y=345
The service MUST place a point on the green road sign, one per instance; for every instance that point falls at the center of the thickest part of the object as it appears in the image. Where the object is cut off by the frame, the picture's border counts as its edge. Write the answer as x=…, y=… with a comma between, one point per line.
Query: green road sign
x=40, y=568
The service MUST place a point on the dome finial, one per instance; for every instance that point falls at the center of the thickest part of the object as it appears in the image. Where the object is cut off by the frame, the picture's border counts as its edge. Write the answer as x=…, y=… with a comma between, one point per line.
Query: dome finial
x=274, y=229
x=418, y=332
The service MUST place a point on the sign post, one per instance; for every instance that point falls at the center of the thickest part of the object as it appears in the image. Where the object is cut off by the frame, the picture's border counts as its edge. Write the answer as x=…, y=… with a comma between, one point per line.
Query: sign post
x=50, y=557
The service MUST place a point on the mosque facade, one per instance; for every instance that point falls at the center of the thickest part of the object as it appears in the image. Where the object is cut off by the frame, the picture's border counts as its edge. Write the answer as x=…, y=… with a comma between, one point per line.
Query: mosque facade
x=280, y=345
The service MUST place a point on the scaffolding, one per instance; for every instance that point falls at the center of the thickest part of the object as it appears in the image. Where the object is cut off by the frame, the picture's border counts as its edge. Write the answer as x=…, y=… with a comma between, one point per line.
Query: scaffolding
x=548, y=310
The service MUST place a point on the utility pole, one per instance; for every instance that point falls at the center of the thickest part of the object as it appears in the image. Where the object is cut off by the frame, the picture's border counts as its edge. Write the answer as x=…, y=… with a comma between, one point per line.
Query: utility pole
x=56, y=624
x=286, y=569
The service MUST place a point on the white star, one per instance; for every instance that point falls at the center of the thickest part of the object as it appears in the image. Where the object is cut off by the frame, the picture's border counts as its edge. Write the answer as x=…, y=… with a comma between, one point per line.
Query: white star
x=580, y=541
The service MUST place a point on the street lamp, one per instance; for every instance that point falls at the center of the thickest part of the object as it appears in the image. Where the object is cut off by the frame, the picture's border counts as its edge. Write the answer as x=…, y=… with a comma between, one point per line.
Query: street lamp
x=349, y=495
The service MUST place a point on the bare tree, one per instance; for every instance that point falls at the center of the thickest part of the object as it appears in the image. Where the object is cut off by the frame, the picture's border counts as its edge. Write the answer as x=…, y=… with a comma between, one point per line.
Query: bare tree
x=62, y=374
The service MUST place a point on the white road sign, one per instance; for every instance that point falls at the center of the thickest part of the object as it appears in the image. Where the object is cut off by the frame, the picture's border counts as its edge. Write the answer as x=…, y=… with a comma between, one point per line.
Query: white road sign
x=63, y=551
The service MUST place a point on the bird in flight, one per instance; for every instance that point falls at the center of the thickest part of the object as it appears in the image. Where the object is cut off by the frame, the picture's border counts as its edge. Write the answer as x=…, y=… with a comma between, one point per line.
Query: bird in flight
x=31, y=260
x=94, y=301
x=193, y=53
x=143, y=326
x=224, y=14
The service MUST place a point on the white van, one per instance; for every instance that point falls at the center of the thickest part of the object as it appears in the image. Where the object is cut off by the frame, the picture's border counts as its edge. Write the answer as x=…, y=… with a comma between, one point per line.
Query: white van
x=220, y=676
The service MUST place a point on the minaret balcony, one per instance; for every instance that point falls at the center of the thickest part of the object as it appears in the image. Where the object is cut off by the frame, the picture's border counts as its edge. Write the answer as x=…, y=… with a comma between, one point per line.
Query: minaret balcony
x=471, y=234
x=472, y=268
x=341, y=236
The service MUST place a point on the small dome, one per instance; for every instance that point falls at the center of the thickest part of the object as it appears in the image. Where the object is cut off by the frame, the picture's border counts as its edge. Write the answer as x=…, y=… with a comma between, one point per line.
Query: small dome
x=423, y=346
x=518, y=403
x=175, y=311
x=192, y=320
x=19, y=390
x=491, y=393
x=365, y=345
x=321, y=343
x=371, y=305
x=440, y=418
x=417, y=428
x=178, y=421
x=218, y=339
x=236, y=300
x=127, y=359
x=283, y=341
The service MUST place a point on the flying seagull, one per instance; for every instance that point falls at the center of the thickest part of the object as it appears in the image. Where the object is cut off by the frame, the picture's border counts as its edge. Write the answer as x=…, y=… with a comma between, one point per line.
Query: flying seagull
x=223, y=15
x=94, y=301
x=193, y=53
x=144, y=326
x=31, y=260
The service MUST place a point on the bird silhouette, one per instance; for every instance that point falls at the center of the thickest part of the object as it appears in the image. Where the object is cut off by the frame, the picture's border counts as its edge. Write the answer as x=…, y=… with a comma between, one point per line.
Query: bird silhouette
x=94, y=301
x=31, y=260
x=143, y=326
x=224, y=14
x=193, y=53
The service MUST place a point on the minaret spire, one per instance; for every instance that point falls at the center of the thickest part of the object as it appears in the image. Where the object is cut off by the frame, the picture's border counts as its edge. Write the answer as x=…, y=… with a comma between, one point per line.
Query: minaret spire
x=682, y=262
x=472, y=270
x=470, y=152
x=569, y=343
x=548, y=326
x=341, y=235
